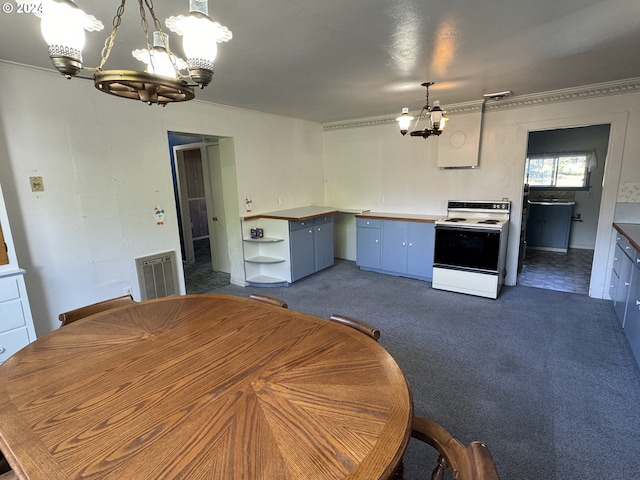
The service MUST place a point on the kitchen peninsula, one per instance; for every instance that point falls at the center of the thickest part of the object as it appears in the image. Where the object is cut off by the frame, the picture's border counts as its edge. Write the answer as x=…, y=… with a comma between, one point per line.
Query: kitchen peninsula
x=283, y=246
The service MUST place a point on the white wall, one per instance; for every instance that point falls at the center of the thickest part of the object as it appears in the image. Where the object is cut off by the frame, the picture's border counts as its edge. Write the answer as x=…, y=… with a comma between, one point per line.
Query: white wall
x=374, y=167
x=105, y=166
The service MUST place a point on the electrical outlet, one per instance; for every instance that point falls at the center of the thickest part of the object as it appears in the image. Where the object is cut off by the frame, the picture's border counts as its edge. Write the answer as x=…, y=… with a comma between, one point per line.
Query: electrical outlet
x=280, y=201
x=37, y=185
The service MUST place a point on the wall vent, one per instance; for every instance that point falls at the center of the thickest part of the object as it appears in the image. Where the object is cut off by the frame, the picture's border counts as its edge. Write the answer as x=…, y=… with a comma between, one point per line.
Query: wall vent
x=157, y=275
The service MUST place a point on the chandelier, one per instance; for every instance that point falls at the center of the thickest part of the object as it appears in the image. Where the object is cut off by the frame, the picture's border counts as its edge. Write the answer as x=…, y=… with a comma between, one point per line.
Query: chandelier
x=167, y=78
x=434, y=115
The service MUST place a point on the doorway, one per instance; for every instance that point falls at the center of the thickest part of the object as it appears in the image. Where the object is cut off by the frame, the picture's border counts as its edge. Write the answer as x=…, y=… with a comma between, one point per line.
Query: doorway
x=546, y=266
x=200, y=206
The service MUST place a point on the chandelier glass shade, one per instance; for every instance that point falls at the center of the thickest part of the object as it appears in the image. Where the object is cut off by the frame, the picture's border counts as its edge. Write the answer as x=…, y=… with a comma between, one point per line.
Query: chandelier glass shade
x=63, y=26
x=434, y=115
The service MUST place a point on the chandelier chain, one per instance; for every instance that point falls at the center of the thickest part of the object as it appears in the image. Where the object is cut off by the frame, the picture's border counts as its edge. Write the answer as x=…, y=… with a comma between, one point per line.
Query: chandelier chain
x=158, y=27
x=108, y=43
x=145, y=29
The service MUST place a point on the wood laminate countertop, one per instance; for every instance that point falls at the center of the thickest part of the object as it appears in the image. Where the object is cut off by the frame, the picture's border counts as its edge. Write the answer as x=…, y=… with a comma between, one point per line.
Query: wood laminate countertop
x=631, y=231
x=296, y=214
x=410, y=217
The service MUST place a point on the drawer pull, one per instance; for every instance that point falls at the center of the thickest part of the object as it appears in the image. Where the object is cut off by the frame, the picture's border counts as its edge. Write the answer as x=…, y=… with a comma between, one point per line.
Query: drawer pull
x=2, y=350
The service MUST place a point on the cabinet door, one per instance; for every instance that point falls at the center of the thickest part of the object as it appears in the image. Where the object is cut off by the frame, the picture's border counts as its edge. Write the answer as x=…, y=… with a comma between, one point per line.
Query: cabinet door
x=302, y=253
x=624, y=282
x=534, y=225
x=324, y=244
x=613, y=291
x=632, y=322
x=394, y=246
x=368, y=247
x=421, y=237
x=556, y=224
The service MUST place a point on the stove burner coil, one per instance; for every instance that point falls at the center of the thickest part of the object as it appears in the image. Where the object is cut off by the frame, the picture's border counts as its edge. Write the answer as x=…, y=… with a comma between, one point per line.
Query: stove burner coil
x=456, y=219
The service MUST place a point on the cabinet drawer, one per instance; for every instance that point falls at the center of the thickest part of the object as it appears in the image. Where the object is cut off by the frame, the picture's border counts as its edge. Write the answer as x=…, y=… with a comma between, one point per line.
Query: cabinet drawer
x=367, y=223
x=9, y=289
x=11, y=342
x=618, y=256
x=302, y=224
x=323, y=220
x=11, y=315
x=626, y=247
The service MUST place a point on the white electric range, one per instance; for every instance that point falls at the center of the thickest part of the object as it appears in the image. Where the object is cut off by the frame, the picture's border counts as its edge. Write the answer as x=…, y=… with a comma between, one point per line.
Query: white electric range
x=471, y=247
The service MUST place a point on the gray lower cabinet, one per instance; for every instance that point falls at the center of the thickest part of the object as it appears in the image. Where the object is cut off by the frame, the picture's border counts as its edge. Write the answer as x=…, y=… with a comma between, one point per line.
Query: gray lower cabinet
x=323, y=230
x=311, y=243
x=632, y=317
x=548, y=227
x=625, y=291
x=621, y=281
x=368, y=243
x=396, y=247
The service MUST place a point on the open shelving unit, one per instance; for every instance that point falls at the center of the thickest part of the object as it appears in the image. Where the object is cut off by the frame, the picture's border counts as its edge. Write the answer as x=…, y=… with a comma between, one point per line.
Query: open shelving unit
x=267, y=259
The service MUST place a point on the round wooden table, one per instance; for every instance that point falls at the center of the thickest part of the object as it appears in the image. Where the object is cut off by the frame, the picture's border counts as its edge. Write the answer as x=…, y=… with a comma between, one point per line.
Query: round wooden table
x=204, y=387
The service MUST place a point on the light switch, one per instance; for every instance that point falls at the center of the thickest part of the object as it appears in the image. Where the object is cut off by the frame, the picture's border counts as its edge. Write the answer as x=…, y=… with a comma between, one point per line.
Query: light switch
x=37, y=184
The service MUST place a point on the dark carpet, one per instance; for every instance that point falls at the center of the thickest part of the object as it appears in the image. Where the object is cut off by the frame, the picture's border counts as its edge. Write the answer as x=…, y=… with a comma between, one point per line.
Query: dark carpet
x=545, y=378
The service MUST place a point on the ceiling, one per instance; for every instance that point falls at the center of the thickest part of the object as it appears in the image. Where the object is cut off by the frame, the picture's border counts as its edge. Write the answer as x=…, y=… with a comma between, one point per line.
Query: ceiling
x=333, y=60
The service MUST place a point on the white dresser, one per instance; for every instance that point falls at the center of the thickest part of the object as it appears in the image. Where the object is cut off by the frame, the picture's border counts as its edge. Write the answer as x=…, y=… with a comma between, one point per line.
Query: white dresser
x=16, y=323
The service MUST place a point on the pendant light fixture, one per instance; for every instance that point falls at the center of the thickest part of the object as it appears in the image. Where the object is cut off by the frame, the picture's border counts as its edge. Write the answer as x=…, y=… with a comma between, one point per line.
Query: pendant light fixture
x=434, y=116
x=63, y=25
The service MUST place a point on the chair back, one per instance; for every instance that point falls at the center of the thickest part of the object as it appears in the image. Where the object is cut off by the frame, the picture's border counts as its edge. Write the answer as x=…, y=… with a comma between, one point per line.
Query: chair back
x=270, y=300
x=473, y=462
x=78, y=313
x=356, y=323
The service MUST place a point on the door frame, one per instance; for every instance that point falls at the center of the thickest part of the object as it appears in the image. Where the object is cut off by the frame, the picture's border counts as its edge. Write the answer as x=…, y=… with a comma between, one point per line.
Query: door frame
x=603, y=251
x=185, y=215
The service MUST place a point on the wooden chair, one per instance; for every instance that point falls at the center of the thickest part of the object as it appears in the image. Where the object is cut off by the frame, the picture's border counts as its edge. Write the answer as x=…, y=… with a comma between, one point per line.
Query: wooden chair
x=356, y=323
x=473, y=462
x=270, y=300
x=74, y=315
x=5, y=470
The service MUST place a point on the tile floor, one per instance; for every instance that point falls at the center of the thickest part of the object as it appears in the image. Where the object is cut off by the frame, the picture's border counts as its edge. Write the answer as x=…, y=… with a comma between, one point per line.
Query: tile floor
x=199, y=277
x=566, y=272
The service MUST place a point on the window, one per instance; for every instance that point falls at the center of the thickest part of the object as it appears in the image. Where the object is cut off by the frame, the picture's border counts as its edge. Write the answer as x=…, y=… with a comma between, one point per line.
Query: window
x=559, y=170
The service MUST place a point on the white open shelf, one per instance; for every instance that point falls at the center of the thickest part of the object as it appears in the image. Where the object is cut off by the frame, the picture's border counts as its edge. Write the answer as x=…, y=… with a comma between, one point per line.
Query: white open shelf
x=267, y=260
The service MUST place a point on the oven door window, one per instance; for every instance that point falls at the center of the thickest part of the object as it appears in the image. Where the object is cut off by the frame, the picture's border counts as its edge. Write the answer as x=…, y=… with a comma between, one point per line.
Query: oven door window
x=467, y=248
